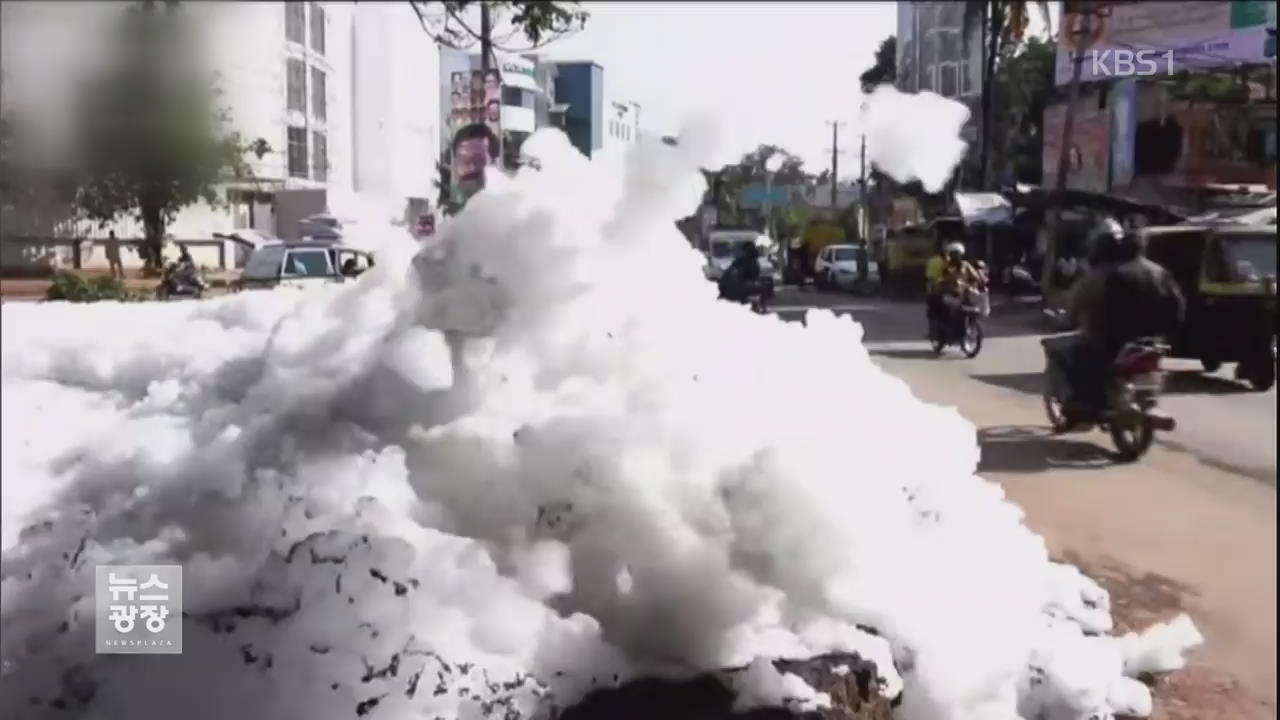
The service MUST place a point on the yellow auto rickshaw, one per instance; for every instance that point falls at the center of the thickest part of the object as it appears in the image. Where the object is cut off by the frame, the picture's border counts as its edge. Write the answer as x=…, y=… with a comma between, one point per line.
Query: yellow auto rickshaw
x=1228, y=274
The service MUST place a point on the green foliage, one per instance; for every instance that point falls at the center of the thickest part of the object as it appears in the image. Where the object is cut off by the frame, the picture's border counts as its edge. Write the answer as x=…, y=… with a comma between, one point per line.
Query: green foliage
x=751, y=169
x=885, y=68
x=73, y=288
x=1025, y=86
x=540, y=21
x=152, y=135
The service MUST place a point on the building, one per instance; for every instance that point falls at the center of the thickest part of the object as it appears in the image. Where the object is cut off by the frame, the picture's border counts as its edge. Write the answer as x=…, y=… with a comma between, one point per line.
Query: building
x=931, y=55
x=334, y=88
x=596, y=118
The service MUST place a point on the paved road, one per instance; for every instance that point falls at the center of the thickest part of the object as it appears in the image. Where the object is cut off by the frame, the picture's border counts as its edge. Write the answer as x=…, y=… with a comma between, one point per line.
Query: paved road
x=1192, y=526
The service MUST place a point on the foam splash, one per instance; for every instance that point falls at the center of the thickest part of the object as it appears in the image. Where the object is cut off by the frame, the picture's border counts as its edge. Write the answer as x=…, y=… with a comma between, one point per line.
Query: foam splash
x=530, y=462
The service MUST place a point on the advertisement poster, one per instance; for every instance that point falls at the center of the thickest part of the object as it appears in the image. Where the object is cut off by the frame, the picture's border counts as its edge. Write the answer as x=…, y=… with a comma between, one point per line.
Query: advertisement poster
x=1199, y=34
x=475, y=128
x=1124, y=126
x=1090, y=150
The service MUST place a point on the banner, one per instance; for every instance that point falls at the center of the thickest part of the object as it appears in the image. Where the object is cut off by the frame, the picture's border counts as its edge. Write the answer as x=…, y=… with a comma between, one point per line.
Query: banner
x=1124, y=126
x=475, y=126
x=1201, y=34
x=1088, y=157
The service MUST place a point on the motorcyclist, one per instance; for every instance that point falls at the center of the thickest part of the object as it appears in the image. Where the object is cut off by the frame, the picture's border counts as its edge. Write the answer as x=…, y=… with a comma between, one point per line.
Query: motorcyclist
x=742, y=274
x=1125, y=296
x=957, y=280
x=185, y=273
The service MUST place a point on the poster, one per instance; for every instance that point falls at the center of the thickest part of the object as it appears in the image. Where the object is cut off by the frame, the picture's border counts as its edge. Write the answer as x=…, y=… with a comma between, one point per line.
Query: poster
x=1199, y=34
x=1088, y=157
x=1124, y=126
x=475, y=117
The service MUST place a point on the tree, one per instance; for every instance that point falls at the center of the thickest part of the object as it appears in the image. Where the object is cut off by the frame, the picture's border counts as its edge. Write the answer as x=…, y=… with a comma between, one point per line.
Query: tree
x=449, y=23
x=152, y=136
x=1025, y=82
x=885, y=69
x=1004, y=23
x=725, y=186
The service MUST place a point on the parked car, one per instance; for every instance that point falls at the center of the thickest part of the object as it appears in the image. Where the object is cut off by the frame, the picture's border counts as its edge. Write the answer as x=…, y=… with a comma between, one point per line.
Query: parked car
x=845, y=267
x=300, y=264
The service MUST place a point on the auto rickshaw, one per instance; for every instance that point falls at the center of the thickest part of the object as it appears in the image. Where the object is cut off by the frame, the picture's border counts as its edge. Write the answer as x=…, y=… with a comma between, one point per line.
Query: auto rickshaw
x=1228, y=275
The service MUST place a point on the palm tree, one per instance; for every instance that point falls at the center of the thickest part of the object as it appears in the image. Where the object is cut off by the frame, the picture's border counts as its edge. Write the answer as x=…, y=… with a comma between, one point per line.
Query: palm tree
x=1003, y=24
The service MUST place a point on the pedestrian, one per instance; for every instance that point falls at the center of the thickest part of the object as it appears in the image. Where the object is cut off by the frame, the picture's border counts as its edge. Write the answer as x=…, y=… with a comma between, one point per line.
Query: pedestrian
x=113, y=256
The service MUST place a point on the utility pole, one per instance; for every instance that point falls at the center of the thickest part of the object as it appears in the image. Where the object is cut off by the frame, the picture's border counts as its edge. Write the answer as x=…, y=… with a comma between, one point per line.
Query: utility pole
x=1087, y=12
x=486, y=37
x=835, y=158
x=864, y=224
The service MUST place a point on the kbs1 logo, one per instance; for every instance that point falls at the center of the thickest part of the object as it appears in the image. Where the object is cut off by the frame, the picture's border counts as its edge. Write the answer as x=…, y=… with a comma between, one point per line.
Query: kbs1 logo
x=1120, y=62
x=138, y=609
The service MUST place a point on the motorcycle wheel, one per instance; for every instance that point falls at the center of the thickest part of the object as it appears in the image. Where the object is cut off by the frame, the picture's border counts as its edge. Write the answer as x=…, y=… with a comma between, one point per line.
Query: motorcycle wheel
x=1053, y=406
x=1132, y=440
x=971, y=341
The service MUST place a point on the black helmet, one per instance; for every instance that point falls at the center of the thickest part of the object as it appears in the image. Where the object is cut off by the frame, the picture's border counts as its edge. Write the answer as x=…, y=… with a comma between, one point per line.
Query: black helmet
x=1105, y=240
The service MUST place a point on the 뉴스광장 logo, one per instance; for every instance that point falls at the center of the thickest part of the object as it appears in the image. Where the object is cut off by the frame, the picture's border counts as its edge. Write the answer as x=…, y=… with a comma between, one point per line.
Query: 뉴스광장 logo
x=138, y=609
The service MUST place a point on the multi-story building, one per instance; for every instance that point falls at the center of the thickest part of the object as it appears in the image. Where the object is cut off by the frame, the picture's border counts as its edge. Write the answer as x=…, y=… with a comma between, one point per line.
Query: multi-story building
x=336, y=90
x=931, y=55
x=595, y=117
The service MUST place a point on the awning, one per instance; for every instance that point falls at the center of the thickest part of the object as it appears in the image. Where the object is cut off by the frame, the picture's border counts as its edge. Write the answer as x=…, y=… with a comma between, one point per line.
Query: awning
x=984, y=208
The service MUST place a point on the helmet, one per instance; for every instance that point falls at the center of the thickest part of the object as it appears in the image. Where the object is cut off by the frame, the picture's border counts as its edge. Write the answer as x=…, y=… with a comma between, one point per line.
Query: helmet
x=954, y=248
x=1104, y=241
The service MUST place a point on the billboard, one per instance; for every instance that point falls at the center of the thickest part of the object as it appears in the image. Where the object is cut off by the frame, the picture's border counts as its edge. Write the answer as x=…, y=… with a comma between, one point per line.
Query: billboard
x=1201, y=34
x=475, y=129
x=1088, y=157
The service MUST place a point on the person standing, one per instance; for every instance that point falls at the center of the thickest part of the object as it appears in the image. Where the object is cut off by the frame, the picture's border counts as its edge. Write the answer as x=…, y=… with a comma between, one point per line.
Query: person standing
x=113, y=256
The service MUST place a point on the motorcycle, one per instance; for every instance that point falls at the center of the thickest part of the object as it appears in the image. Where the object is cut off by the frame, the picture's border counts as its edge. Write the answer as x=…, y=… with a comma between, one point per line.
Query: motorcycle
x=962, y=328
x=756, y=294
x=1133, y=385
x=176, y=285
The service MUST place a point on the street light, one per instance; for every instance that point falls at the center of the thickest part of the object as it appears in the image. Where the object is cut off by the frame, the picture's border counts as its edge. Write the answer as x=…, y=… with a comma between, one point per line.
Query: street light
x=771, y=166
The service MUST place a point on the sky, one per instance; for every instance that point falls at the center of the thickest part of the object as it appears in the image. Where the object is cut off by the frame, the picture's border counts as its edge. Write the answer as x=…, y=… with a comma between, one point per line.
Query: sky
x=771, y=72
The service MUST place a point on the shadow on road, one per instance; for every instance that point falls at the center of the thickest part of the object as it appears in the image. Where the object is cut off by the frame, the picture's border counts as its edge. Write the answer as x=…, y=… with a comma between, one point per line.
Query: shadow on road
x=1194, y=382
x=1179, y=382
x=915, y=354
x=1031, y=383
x=1023, y=449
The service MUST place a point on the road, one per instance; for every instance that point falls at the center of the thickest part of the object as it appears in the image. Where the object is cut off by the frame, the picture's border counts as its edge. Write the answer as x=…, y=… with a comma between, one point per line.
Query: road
x=1191, y=527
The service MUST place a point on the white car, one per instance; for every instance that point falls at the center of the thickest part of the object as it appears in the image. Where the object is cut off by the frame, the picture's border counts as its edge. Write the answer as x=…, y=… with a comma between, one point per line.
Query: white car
x=300, y=264
x=840, y=266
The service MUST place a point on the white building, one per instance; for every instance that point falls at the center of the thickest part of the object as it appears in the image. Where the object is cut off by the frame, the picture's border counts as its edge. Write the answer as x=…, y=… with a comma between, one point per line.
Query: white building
x=622, y=122
x=340, y=91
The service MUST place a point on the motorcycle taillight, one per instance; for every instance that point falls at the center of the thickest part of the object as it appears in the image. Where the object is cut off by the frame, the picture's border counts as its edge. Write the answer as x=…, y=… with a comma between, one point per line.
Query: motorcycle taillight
x=1138, y=363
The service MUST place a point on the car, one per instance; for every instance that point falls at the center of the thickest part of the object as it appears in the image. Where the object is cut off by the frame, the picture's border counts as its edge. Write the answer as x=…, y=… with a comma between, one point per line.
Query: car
x=842, y=267
x=300, y=264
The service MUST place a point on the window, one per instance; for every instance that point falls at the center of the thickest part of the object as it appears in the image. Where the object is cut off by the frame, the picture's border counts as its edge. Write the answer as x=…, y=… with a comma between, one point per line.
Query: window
x=929, y=74
x=307, y=263
x=264, y=263
x=296, y=79
x=947, y=80
x=297, y=152
x=317, y=28
x=295, y=22
x=319, y=99
x=319, y=157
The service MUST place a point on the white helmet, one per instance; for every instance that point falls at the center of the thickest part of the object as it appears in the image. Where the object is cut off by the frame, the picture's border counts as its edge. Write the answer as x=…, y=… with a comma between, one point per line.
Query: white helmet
x=954, y=247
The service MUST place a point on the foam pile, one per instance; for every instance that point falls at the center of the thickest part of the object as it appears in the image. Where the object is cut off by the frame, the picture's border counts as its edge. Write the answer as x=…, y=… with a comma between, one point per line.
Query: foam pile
x=538, y=458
